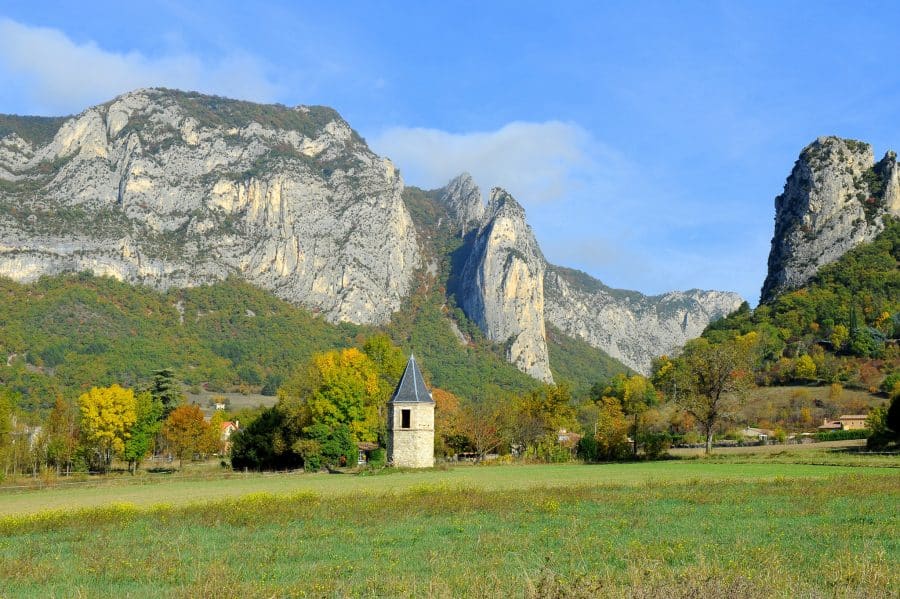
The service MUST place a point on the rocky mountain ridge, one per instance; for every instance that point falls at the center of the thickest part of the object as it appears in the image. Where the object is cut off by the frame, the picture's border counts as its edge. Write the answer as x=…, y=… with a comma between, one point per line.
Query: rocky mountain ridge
x=833, y=200
x=631, y=327
x=176, y=189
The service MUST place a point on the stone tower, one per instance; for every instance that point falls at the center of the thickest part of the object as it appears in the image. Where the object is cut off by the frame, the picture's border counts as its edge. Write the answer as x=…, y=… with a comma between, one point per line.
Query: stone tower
x=411, y=421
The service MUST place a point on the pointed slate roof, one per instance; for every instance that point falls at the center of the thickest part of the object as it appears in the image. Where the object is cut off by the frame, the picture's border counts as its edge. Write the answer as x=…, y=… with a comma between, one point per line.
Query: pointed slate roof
x=411, y=388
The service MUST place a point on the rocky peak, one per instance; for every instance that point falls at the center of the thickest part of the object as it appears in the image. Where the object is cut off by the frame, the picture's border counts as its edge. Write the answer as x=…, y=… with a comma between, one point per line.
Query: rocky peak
x=462, y=197
x=833, y=200
x=501, y=203
x=503, y=285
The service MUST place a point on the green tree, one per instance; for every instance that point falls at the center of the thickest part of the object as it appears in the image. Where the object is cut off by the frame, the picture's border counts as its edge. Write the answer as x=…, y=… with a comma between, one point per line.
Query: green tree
x=884, y=425
x=638, y=395
x=864, y=344
x=323, y=445
x=711, y=379
x=166, y=390
x=147, y=425
x=260, y=445
x=839, y=337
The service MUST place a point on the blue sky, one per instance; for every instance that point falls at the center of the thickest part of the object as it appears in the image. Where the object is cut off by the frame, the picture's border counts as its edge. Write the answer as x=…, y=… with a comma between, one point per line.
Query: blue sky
x=646, y=140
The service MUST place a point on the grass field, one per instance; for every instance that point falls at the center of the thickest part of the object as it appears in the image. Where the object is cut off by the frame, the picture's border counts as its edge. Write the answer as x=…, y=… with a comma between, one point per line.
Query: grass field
x=680, y=528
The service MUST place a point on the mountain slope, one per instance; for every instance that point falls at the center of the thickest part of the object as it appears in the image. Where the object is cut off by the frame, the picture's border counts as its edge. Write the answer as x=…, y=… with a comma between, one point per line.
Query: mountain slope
x=844, y=315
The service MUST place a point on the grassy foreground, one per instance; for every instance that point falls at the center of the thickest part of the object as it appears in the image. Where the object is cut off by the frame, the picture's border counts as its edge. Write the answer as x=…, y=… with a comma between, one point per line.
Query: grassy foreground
x=663, y=529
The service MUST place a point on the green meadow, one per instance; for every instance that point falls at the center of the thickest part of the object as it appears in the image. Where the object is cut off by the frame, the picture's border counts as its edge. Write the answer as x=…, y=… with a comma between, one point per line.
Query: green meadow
x=679, y=528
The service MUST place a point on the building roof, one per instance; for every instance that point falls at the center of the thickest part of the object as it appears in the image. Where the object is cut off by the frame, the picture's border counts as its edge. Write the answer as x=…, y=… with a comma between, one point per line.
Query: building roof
x=853, y=417
x=411, y=388
x=751, y=431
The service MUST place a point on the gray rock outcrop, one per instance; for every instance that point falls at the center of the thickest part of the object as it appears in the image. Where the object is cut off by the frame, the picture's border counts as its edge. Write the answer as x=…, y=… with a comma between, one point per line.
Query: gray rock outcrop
x=169, y=188
x=833, y=200
x=462, y=197
x=503, y=285
x=629, y=326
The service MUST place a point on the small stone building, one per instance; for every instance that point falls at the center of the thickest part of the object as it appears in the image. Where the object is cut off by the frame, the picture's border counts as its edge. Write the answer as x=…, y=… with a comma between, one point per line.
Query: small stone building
x=847, y=422
x=411, y=421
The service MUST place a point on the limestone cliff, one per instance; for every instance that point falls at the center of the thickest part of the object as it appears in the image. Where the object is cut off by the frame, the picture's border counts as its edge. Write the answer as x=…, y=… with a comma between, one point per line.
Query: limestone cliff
x=833, y=200
x=179, y=189
x=503, y=285
x=630, y=326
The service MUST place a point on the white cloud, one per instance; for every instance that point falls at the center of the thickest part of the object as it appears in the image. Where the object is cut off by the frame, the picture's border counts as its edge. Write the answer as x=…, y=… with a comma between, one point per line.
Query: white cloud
x=57, y=74
x=539, y=162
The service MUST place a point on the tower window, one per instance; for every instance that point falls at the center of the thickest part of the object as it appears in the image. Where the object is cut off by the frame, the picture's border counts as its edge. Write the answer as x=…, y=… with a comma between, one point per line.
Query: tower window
x=404, y=418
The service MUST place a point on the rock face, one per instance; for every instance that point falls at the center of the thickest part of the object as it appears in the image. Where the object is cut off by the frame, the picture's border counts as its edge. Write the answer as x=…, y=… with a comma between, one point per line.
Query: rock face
x=629, y=326
x=178, y=189
x=462, y=197
x=503, y=285
x=833, y=200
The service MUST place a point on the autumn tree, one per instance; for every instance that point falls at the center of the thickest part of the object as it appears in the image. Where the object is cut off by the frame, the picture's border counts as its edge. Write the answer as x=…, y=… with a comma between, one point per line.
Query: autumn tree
x=839, y=337
x=6, y=406
x=484, y=426
x=805, y=368
x=107, y=415
x=61, y=433
x=709, y=379
x=389, y=361
x=611, y=430
x=448, y=424
x=214, y=432
x=540, y=414
x=635, y=395
x=187, y=432
x=148, y=411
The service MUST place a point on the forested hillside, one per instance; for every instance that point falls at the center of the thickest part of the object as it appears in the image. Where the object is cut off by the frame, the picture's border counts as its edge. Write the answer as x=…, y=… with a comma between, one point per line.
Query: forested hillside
x=63, y=335
x=840, y=327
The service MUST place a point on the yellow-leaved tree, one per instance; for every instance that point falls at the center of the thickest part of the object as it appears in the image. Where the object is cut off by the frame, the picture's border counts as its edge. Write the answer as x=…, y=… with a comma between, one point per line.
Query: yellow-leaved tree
x=337, y=388
x=107, y=415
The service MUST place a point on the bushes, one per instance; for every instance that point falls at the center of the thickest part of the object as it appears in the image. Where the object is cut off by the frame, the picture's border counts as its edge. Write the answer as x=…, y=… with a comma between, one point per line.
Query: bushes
x=885, y=424
x=378, y=458
x=655, y=445
x=891, y=383
x=327, y=446
x=860, y=433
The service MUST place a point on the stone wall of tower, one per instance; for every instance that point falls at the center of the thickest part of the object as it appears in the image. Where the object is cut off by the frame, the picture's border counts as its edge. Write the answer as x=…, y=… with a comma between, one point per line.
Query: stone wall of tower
x=411, y=447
